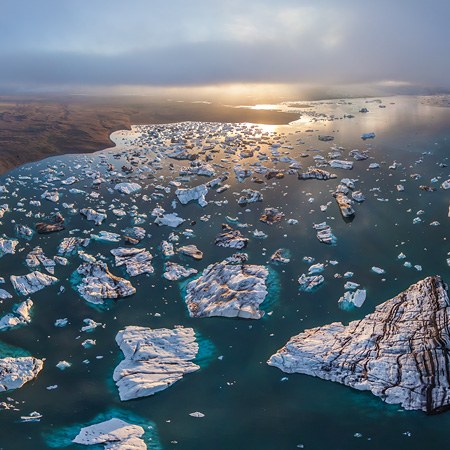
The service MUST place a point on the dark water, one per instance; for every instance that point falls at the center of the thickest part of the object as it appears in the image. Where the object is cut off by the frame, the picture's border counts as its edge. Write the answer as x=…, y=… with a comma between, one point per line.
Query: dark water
x=246, y=405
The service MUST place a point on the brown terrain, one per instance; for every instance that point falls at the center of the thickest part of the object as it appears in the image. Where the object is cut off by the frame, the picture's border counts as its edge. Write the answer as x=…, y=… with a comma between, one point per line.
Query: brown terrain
x=35, y=128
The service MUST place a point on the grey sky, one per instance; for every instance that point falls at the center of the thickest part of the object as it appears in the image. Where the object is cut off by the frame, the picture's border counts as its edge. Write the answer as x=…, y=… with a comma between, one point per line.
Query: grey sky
x=197, y=42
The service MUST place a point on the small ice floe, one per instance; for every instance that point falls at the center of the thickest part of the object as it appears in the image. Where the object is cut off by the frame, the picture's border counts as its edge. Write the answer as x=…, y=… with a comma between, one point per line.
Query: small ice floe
x=95, y=216
x=197, y=414
x=309, y=283
x=259, y=234
x=340, y=164
x=4, y=294
x=8, y=246
x=316, y=268
x=90, y=325
x=32, y=282
x=196, y=193
x=69, y=181
x=231, y=238
x=32, y=417
x=20, y=315
x=88, y=343
x=127, y=188
x=114, y=434
x=377, y=270
x=170, y=220
x=280, y=256
x=191, y=251
x=175, y=272
x=324, y=233
x=52, y=196
x=351, y=299
x=60, y=323
x=63, y=365
x=350, y=285
x=106, y=236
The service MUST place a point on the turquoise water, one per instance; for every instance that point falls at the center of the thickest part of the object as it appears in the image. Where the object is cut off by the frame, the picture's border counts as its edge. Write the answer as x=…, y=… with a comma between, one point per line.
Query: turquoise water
x=245, y=402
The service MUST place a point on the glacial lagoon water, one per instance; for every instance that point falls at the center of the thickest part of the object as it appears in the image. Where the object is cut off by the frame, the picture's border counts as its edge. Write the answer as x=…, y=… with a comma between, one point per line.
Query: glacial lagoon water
x=246, y=403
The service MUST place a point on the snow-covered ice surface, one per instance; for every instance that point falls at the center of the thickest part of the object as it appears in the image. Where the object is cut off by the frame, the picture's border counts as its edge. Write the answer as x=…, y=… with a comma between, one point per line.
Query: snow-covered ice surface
x=121, y=204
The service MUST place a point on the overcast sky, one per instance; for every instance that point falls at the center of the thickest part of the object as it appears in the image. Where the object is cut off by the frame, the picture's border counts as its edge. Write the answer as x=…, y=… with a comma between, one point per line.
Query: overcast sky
x=202, y=42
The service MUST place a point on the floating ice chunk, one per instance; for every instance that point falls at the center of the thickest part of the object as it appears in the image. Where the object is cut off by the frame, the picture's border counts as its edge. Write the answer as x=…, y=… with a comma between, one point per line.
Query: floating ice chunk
x=197, y=193
x=8, y=246
x=356, y=298
x=20, y=315
x=280, y=256
x=52, y=196
x=230, y=238
x=99, y=284
x=316, y=268
x=60, y=323
x=88, y=343
x=115, y=434
x=63, y=365
x=317, y=174
x=309, y=283
x=259, y=234
x=228, y=290
x=32, y=282
x=175, y=272
x=340, y=164
x=106, y=236
x=4, y=294
x=154, y=359
x=170, y=220
x=241, y=173
x=71, y=245
x=377, y=270
x=127, y=188
x=93, y=215
x=32, y=417
x=90, y=325
x=136, y=260
x=250, y=196
x=15, y=372
x=167, y=248
x=324, y=233
x=69, y=181
x=358, y=196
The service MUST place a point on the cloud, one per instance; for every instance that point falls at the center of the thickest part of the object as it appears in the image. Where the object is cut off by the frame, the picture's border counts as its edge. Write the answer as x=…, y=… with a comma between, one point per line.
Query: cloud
x=58, y=43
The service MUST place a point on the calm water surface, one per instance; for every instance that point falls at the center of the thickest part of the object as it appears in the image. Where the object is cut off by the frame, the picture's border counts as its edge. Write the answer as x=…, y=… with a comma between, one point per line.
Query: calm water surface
x=246, y=405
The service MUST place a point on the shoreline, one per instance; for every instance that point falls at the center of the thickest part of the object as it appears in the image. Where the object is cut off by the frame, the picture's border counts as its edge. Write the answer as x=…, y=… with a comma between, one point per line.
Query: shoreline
x=38, y=128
